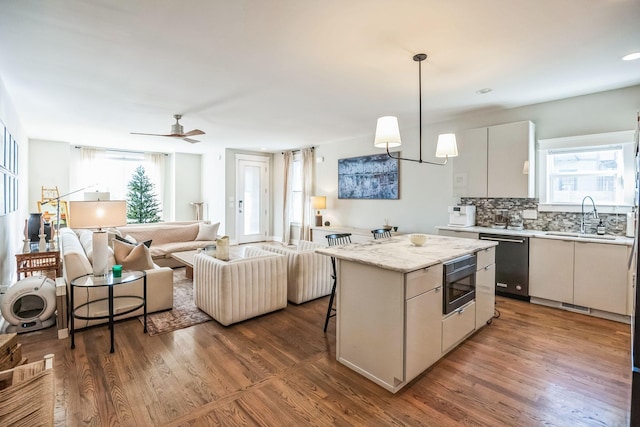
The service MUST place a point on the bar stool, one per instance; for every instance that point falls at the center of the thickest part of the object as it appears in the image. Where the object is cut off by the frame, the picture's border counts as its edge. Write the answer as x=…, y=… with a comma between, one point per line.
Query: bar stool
x=381, y=233
x=334, y=240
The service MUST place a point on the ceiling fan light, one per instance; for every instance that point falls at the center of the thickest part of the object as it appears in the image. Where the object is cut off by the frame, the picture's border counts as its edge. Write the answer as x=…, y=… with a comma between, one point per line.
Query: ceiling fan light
x=447, y=146
x=387, y=133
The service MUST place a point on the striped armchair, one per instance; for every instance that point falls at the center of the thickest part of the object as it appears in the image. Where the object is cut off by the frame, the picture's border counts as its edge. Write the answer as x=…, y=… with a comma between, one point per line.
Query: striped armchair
x=309, y=273
x=236, y=290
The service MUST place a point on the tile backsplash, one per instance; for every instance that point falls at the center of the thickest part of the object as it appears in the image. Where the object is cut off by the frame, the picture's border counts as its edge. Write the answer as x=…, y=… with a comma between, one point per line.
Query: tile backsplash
x=615, y=224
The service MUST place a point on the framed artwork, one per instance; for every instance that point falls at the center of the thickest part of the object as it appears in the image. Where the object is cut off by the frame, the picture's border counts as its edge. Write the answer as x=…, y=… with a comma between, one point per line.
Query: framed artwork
x=49, y=212
x=368, y=177
x=3, y=145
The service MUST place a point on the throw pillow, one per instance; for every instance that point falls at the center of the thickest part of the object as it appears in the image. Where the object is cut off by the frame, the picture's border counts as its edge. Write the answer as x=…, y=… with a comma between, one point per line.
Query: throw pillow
x=132, y=257
x=129, y=239
x=207, y=231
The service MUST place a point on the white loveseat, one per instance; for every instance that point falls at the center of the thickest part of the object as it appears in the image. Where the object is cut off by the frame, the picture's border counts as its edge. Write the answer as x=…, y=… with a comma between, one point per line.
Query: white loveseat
x=309, y=273
x=242, y=288
x=77, y=250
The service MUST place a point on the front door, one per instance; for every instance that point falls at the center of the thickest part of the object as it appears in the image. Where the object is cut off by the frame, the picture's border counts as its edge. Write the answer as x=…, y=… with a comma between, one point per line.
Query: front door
x=252, y=198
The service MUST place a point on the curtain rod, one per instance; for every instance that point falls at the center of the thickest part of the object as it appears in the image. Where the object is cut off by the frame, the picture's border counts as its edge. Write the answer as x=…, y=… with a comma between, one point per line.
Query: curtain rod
x=300, y=149
x=121, y=150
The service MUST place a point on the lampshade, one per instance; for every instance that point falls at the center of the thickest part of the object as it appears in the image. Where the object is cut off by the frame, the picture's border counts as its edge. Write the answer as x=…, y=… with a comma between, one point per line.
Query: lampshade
x=387, y=133
x=319, y=202
x=97, y=214
x=447, y=146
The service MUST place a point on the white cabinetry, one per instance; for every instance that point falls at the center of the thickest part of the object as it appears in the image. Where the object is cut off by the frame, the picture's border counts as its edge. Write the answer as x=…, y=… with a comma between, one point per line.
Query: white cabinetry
x=485, y=286
x=600, y=277
x=459, y=234
x=491, y=161
x=586, y=274
x=424, y=314
x=457, y=325
x=551, y=269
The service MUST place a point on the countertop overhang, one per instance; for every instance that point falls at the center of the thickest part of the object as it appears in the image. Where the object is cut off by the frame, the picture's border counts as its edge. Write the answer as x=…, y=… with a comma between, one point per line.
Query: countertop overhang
x=399, y=254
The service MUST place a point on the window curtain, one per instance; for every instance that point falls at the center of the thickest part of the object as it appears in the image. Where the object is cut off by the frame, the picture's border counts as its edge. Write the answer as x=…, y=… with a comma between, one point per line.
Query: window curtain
x=154, y=166
x=91, y=172
x=286, y=199
x=307, y=191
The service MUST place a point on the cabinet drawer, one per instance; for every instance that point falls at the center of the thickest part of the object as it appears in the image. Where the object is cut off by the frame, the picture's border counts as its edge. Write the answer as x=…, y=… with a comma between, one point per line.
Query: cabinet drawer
x=457, y=325
x=423, y=280
x=485, y=257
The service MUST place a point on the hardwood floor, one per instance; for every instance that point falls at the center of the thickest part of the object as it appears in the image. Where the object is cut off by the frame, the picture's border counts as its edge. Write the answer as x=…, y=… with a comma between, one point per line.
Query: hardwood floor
x=532, y=366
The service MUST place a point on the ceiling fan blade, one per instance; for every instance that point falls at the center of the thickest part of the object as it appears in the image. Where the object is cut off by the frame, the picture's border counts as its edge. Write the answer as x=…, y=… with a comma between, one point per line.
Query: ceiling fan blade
x=193, y=141
x=151, y=134
x=194, y=132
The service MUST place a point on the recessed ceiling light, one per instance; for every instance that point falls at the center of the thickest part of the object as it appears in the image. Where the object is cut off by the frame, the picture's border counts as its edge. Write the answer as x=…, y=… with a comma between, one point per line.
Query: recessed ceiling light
x=483, y=90
x=631, y=56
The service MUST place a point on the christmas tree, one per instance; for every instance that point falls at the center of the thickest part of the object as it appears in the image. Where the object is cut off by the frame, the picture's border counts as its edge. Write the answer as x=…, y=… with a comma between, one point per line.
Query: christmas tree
x=142, y=202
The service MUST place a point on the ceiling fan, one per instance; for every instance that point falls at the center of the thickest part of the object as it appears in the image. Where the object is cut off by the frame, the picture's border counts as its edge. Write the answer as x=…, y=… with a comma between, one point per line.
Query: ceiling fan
x=177, y=131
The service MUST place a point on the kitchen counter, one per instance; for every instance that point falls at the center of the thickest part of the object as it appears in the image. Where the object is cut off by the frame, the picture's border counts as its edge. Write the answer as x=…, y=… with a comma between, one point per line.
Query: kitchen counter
x=558, y=235
x=399, y=254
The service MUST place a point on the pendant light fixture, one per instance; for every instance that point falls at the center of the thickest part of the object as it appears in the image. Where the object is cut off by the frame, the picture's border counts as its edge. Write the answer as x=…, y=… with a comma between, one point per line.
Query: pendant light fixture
x=388, y=131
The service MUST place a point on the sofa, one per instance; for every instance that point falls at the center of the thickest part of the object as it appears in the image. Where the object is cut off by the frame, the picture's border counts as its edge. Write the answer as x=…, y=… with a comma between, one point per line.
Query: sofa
x=241, y=288
x=77, y=248
x=309, y=273
x=169, y=237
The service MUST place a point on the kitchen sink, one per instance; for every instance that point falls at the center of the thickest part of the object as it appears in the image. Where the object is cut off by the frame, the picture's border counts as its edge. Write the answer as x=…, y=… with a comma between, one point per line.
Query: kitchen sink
x=580, y=235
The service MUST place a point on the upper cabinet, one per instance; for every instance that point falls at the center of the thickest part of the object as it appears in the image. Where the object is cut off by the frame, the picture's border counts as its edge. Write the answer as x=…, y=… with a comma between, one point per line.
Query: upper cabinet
x=495, y=161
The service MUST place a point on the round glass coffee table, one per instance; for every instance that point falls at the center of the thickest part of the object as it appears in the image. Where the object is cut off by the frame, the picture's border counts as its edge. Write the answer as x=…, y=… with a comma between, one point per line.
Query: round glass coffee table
x=89, y=281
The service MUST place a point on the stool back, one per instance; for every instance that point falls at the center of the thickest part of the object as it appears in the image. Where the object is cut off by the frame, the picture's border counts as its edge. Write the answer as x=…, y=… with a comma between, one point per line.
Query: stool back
x=381, y=233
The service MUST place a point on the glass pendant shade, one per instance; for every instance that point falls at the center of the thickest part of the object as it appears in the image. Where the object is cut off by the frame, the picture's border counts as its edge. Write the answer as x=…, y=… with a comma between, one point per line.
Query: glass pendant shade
x=387, y=133
x=447, y=146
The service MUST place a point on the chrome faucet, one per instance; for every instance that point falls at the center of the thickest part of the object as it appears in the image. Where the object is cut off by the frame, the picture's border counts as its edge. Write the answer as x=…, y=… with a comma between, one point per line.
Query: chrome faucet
x=595, y=213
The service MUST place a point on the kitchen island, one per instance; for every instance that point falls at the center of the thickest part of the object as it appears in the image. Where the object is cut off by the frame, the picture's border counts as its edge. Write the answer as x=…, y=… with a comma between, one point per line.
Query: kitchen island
x=390, y=323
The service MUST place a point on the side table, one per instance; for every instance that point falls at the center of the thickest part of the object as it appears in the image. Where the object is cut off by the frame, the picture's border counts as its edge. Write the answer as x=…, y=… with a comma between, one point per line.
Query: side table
x=108, y=281
x=29, y=263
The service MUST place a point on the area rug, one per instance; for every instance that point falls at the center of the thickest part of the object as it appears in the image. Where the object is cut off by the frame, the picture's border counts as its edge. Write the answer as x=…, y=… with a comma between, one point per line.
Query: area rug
x=184, y=312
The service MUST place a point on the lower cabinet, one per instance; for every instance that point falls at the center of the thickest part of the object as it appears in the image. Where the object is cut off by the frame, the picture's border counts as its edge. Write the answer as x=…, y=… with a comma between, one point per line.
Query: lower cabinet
x=424, y=331
x=592, y=275
x=485, y=286
x=457, y=325
x=551, y=269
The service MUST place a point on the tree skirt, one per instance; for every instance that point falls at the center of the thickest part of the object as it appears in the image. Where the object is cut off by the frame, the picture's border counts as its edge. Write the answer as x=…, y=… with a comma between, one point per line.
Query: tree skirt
x=184, y=312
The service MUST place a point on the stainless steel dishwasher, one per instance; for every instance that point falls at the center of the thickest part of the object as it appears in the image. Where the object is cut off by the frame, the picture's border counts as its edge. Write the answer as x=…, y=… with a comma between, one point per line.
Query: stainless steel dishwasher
x=512, y=265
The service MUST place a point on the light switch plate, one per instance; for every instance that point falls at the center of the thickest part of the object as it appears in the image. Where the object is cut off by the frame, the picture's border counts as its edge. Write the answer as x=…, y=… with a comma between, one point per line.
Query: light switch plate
x=530, y=214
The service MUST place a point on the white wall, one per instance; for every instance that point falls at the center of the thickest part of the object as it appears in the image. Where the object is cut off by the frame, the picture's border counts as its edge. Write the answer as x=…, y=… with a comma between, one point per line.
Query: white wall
x=49, y=166
x=12, y=224
x=426, y=190
x=213, y=187
x=187, y=185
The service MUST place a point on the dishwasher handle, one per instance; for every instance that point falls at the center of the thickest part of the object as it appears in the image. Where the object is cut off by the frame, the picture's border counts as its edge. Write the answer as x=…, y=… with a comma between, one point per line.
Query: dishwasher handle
x=502, y=239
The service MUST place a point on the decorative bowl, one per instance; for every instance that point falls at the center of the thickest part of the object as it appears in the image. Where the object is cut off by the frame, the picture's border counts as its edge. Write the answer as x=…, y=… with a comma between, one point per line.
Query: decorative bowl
x=418, y=239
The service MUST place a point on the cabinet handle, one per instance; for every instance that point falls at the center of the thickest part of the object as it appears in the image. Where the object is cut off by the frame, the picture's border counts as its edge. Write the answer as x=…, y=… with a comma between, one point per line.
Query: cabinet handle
x=488, y=267
x=460, y=311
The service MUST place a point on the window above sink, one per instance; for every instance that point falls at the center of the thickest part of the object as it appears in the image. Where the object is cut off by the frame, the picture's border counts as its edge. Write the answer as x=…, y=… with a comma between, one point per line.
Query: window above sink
x=601, y=165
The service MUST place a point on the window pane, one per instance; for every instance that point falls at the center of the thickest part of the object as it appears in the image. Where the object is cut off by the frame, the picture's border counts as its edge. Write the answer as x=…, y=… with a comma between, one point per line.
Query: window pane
x=596, y=172
x=252, y=200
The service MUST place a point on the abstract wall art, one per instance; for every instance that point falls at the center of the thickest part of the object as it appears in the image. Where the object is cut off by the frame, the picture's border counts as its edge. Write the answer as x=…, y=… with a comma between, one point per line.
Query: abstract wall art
x=368, y=177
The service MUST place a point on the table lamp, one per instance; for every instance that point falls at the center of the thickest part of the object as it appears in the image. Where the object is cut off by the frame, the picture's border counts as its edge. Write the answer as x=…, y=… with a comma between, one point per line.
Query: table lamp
x=98, y=215
x=319, y=202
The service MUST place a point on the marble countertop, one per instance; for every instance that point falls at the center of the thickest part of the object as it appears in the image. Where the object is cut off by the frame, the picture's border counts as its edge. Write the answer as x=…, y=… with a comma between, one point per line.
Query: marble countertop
x=558, y=235
x=399, y=254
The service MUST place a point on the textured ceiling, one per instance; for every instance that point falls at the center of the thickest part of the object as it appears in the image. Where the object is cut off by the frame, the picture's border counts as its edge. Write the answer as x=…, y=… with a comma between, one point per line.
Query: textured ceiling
x=278, y=74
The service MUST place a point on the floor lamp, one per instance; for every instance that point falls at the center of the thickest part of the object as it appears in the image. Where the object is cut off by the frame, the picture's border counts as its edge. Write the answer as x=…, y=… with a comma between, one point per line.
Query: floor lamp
x=98, y=215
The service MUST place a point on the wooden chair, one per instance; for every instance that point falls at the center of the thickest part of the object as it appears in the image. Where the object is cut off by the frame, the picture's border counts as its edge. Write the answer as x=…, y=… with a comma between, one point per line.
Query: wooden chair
x=27, y=394
x=334, y=240
x=381, y=233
